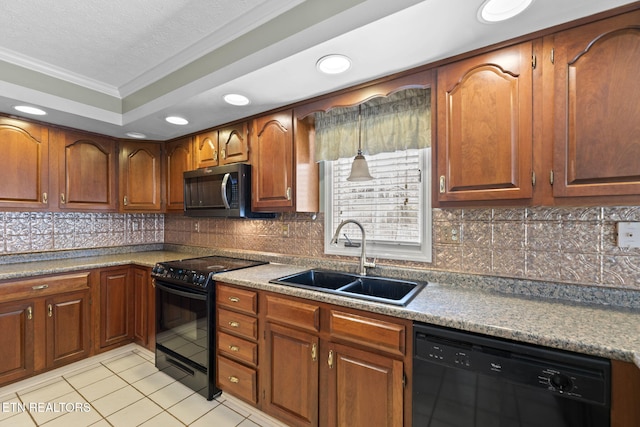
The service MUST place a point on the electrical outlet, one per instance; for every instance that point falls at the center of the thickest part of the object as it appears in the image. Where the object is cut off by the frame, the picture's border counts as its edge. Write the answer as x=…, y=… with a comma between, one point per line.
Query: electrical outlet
x=628, y=234
x=451, y=234
x=285, y=230
x=196, y=226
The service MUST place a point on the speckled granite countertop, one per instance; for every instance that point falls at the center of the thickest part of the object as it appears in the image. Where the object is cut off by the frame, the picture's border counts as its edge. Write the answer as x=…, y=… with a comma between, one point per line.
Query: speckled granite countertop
x=599, y=330
x=54, y=266
x=602, y=331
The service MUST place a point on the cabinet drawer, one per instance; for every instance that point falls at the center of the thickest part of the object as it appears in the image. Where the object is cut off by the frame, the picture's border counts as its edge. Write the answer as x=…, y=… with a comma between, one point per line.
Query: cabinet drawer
x=237, y=299
x=238, y=324
x=43, y=286
x=237, y=380
x=367, y=331
x=295, y=313
x=237, y=348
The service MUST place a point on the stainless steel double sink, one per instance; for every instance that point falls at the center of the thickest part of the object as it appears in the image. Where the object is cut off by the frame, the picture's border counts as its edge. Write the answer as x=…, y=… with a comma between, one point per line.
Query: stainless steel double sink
x=372, y=288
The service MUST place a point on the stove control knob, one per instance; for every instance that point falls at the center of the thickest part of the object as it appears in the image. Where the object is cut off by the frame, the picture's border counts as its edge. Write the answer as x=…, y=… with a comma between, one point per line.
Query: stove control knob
x=201, y=279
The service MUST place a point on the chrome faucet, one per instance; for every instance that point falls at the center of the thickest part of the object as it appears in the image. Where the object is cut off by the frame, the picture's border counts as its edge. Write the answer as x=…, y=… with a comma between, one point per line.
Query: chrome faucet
x=363, y=256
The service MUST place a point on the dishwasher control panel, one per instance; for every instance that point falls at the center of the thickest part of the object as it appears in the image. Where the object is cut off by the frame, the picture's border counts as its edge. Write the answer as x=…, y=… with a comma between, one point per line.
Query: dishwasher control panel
x=562, y=373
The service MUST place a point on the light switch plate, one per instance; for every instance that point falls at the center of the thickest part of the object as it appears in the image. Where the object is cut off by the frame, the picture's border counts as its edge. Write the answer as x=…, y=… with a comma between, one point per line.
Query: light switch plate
x=628, y=234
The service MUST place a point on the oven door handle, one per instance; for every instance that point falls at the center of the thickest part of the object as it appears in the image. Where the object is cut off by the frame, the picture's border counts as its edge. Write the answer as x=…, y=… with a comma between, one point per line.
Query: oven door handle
x=172, y=290
x=223, y=190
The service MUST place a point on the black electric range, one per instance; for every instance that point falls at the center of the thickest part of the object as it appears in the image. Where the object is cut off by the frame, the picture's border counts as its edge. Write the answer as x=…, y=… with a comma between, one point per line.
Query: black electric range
x=186, y=319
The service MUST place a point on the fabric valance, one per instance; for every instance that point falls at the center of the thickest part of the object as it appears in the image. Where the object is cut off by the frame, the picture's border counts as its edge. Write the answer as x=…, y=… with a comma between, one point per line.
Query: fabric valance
x=399, y=121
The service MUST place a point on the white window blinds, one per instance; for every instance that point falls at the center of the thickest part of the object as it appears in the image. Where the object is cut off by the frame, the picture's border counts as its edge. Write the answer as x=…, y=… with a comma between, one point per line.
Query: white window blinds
x=393, y=208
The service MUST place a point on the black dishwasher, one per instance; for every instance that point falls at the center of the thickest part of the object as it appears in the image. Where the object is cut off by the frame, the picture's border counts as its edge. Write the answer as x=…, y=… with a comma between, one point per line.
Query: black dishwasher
x=462, y=379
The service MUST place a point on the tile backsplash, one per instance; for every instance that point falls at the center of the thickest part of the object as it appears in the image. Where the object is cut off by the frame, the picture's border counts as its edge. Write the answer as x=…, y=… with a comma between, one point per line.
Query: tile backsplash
x=564, y=245
x=26, y=232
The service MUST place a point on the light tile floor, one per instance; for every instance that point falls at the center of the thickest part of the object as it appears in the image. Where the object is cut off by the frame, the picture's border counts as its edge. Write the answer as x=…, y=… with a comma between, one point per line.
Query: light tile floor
x=119, y=388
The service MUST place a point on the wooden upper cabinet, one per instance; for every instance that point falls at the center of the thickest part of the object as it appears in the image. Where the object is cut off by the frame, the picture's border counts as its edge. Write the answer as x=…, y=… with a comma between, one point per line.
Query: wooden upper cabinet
x=484, y=121
x=284, y=171
x=179, y=160
x=140, y=176
x=233, y=143
x=596, y=133
x=86, y=171
x=272, y=162
x=206, y=149
x=25, y=171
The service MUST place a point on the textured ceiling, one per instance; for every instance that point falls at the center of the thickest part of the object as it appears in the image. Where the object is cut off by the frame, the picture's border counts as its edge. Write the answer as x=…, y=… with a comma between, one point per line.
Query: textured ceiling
x=123, y=65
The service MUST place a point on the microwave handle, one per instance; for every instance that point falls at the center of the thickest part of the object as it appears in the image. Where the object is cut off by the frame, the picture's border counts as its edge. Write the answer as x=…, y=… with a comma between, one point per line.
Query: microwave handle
x=223, y=189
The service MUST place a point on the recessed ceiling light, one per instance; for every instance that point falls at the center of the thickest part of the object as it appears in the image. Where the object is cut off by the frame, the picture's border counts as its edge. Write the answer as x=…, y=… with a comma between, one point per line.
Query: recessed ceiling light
x=501, y=10
x=175, y=120
x=136, y=135
x=236, y=99
x=333, y=64
x=30, y=110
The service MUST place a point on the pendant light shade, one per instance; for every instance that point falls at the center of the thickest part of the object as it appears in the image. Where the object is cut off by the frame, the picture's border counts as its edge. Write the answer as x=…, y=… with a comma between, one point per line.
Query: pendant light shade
x=359, y=167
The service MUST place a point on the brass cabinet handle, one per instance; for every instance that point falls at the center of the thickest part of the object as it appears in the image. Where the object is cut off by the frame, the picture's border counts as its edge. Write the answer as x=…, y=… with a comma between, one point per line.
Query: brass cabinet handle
x=442, y=184
x=234, y=348
x=50, y=310
x=224, y=153
x=330, y=361
x=215, y=156
x=234, y=324
x=288, y=193
x=45, y=198
x=29, y=313
x=234, y=299
x=125, y=201
x=314, y=352
x=39, y=287
x=62, y=198
x=234, y=380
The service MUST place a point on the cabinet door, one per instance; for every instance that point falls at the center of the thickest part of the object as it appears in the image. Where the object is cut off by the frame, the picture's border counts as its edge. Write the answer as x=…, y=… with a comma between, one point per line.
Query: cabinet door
x=597, y=126
x=25, y=168
x=67, y=328
x=233, y=142
x=16, y=341
x=272, y=159
x=365, y=389
x=292, y=367
x=142, y=291
x=86, y=171
x=116, y=307
x=140, y=171
x=206, y=149
x=179, y=160
x=484, y=144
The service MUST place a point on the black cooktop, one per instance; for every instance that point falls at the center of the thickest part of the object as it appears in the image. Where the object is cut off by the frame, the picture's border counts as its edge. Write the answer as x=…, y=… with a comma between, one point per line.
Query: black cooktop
x=198, y=272
x=211, y=264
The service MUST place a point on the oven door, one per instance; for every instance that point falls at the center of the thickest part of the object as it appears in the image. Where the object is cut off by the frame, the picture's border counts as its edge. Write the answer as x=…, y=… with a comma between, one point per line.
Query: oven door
x=184, y=325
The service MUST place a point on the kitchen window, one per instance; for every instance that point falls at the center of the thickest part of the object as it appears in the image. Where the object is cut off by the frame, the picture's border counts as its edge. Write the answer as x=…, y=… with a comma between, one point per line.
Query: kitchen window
x=394, y=208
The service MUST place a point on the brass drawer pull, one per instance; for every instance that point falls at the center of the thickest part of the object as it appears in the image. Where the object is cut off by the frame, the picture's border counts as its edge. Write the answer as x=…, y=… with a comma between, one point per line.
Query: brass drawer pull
x=234, y=299
x=234, y=380
x=39, y=287
x=234, y=348
x=234, y=324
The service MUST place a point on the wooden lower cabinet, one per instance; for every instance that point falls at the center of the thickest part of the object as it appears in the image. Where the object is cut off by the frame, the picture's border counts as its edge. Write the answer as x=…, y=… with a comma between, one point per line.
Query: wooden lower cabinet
x=67, y=328
x=293, y=369
x=16, y=341
x=144, y=302
x=317, y=364
x=45, y=323
x=116, y=307
x=365, y=388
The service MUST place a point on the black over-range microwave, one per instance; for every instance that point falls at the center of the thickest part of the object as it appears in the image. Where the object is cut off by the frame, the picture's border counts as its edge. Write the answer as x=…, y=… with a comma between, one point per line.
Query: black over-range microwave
x=220, y=191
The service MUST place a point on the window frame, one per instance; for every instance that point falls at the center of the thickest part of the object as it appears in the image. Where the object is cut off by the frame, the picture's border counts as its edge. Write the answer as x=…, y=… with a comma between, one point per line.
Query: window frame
x=421, y=252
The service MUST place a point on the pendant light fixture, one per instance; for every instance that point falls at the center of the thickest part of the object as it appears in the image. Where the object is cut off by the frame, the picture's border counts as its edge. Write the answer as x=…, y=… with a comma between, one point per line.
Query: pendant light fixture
x=359, y=167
